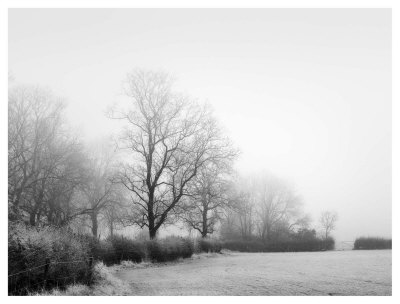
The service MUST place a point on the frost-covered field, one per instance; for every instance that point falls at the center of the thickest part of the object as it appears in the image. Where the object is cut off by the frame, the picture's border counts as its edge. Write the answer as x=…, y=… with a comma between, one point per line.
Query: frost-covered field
x=307, y=273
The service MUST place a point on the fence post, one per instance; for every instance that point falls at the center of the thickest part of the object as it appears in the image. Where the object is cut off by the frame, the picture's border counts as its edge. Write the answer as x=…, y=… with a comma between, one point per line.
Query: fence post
x=90, y=269
x=46, y=271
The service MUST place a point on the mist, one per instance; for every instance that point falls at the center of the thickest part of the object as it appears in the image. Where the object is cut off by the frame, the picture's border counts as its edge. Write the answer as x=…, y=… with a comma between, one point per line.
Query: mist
x=305, y=94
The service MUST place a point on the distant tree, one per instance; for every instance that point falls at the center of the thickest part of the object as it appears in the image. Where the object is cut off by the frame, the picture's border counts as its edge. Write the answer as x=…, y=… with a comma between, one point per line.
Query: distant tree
x=115, y=214
x=300, y=222
x=305, y=234
x=99, y=189
x=44, y=161
x=167, y=138
x=245, y=215
x=204, y=207
x=229, y=229
x=328, y=221
x=239, y=220
x=276, y=206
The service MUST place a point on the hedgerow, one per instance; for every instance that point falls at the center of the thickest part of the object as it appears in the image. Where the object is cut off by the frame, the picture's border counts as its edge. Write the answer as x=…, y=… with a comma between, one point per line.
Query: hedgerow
x=41, y=259
x=372, y=243
x=280, y=246
x=45, y=258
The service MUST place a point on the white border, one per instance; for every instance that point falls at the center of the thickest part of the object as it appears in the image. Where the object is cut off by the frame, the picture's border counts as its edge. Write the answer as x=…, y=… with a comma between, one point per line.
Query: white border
x=205, y=3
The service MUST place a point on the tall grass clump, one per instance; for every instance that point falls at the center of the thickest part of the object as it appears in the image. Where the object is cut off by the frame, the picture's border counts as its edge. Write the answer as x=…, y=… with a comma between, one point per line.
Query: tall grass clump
x=31, y=251
x=372, y=243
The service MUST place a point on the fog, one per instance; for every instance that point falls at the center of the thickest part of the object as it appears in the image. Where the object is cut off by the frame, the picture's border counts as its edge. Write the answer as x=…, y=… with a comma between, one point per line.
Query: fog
x=304, y=93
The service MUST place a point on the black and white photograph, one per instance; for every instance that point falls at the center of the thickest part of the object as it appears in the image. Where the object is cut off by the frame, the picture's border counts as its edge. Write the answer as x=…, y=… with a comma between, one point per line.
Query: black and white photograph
x=198, y=151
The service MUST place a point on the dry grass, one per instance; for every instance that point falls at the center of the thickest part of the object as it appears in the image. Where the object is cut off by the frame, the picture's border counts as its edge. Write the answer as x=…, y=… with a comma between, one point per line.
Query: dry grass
x=106, y=284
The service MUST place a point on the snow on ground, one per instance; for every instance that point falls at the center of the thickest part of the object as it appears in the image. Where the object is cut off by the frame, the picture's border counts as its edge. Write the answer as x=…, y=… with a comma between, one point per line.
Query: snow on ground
x=305, y=273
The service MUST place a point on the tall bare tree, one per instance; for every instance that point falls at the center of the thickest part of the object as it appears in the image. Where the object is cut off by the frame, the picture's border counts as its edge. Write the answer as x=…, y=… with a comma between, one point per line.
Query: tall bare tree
x=34, y=127
x=168, y=138
x=328, y=221
x=44, y=160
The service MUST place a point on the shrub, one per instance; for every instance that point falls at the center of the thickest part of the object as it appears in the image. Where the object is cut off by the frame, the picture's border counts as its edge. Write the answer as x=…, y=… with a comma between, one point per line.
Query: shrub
x=155, y=251
x=187, y=248
x=118, y=248
x=127, y=250
x=102, y=251
x=30, y=250
x=209, y=245
x=115, y=249
x=372, y=243
x=244, y=246
x=280, y=246
x=169, y=249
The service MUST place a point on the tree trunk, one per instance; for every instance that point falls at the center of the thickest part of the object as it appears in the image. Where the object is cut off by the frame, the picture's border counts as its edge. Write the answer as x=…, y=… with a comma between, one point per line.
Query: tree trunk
x=111, y=229
x=152, y=233
x=268, y=231
x=94, y=223
x=152, y=228
x=204, y=231
x=32, y=218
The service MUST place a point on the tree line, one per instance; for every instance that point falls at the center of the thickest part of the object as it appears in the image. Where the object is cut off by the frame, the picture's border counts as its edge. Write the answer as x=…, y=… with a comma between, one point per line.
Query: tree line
x=171, y=162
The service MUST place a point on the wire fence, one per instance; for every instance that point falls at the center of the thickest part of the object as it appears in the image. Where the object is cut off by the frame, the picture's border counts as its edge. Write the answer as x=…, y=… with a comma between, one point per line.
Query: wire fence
x=25, y=277
x=45, y=276
x=49, y=275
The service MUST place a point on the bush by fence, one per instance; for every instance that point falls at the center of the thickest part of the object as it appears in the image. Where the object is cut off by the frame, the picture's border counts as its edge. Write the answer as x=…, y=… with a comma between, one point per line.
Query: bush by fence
x=372, y=243
x=53, y=257
x=45, y=258
x=283, y=246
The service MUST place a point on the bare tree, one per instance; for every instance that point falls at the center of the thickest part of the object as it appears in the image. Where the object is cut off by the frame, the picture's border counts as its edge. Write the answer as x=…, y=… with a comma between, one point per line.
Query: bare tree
x=246, y=218
x=38, y=149
x=114, y=215
x=45, y=163
x=276, y=205
x=59, y=203
x=239, y=218
x=208, y=198
x=168, y=138
x=328, y=221
x=101, y=196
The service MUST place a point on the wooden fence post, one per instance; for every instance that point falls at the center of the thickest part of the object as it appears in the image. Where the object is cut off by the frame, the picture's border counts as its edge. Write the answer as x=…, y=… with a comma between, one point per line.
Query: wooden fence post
x=46, y=271
x=90, y=269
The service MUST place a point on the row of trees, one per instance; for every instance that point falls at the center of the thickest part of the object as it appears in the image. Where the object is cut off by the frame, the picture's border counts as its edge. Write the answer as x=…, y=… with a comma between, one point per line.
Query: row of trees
x=52, y=178
x=268, y=209
x=172, y=163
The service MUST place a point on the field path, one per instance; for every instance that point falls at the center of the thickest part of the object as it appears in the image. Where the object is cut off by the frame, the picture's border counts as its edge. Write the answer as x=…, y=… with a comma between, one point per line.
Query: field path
x=306, y=273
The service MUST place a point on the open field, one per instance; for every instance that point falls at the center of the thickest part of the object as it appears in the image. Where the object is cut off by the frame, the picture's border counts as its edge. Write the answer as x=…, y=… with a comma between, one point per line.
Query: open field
x=307, y=273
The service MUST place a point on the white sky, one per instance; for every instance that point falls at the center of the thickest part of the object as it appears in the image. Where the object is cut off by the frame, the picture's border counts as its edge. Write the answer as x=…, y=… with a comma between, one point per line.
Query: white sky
x=304, y=93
